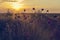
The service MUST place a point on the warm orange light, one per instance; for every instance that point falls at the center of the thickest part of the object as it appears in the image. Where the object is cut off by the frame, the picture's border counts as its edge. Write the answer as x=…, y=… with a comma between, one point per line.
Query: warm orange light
x=16, y=5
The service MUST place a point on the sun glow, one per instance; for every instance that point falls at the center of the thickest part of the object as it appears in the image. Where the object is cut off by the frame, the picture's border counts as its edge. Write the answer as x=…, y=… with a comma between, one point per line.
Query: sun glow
x=16, y=5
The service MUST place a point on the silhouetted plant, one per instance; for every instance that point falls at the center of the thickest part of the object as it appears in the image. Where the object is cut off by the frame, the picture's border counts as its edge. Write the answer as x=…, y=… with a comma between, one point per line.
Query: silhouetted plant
x=24, y=10
x=47, y=11
x=18, y=16
x=15, y=16
x=33, y=9
x=42, y=9
x=8, y=13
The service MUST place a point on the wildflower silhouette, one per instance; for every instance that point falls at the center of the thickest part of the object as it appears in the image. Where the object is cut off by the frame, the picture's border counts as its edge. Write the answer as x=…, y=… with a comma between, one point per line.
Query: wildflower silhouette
x=47, y=11
x=42, y=10
x=24, y=10
x=33, y=10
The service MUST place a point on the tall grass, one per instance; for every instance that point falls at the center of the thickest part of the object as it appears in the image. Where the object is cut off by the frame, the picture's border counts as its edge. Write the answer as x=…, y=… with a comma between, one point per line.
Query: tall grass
x=30, y=27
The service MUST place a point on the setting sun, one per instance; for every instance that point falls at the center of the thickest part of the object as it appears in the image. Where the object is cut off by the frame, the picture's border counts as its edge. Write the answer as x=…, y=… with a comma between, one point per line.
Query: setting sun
x=16, y=5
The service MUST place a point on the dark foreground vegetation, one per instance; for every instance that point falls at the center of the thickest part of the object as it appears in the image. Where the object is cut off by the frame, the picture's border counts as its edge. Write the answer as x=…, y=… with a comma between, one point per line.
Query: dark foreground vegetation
x=30, y=27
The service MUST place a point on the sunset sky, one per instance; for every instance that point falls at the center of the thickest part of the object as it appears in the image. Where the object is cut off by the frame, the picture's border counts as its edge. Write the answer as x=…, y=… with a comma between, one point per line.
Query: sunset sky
x=52, y=5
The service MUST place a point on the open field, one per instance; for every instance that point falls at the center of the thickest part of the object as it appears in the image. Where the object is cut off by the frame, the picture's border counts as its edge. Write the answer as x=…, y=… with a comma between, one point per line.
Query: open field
x=28, y=26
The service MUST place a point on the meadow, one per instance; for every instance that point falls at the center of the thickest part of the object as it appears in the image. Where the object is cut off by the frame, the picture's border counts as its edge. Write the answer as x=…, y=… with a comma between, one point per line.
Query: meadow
x=30, y=26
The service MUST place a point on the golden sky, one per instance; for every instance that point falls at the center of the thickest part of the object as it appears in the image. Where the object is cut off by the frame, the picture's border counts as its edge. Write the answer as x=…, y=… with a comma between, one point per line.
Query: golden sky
x=52, y=5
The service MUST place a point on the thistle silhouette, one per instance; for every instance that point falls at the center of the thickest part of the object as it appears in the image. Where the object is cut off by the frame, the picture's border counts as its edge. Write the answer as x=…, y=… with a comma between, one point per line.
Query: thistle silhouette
x=42, y=10
x=24, y=10
x=33, y=10
x=47, y=11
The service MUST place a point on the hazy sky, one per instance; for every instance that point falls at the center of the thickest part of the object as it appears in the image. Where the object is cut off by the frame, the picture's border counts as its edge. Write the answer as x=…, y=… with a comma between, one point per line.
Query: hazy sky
x=52, y=5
